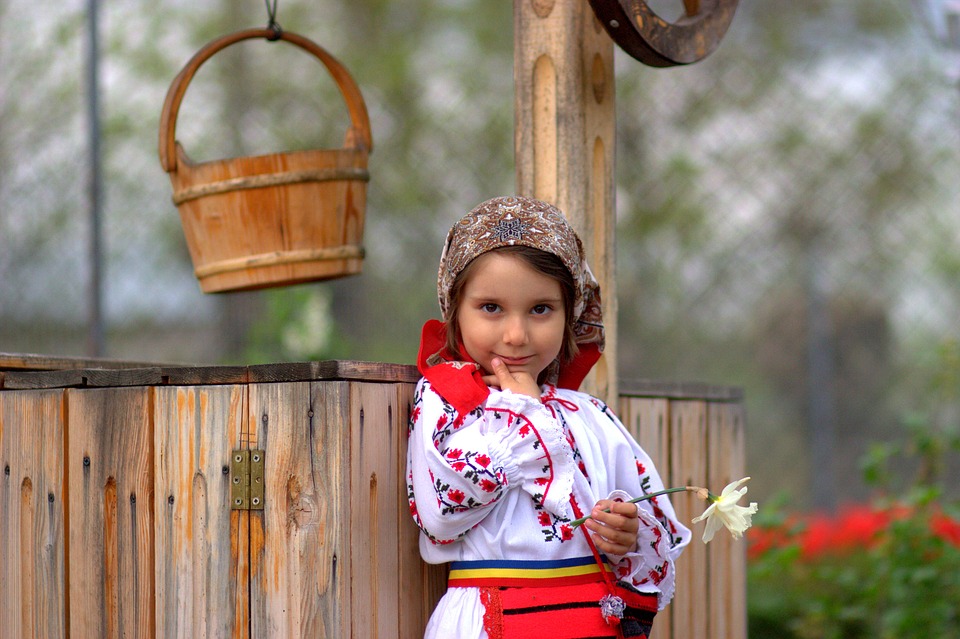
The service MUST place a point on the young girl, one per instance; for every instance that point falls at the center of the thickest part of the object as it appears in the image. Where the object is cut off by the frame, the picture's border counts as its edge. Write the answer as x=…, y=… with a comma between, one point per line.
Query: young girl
x=504, y=452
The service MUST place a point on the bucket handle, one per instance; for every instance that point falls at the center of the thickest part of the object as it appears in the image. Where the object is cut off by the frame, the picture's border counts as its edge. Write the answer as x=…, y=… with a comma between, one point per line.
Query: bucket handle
x=357, y=136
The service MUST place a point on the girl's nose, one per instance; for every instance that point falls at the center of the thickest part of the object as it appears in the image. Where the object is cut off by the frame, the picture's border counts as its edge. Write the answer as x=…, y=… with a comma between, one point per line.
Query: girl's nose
x=515, y=332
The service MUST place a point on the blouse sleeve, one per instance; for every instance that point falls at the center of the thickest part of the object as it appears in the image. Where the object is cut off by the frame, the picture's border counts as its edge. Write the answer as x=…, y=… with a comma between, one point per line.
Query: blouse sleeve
x=661, y=536
x=459, y=466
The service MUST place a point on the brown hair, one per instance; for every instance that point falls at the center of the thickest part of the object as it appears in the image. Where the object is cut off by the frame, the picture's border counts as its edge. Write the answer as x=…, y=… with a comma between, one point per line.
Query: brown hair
x=545, y=263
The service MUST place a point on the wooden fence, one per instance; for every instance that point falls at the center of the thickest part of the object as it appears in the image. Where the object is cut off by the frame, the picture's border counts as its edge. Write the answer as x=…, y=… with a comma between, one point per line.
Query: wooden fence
x=116, y=498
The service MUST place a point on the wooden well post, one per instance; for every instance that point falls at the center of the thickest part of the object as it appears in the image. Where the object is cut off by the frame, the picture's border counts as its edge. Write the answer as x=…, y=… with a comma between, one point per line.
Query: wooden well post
x=565, y=139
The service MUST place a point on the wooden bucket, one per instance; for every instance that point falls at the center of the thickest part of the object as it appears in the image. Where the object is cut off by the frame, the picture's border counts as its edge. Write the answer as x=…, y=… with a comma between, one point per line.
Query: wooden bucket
x=277, y=219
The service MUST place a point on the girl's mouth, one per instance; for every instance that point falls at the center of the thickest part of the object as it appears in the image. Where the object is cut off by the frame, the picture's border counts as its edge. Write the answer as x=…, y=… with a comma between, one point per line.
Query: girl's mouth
x=514, y=361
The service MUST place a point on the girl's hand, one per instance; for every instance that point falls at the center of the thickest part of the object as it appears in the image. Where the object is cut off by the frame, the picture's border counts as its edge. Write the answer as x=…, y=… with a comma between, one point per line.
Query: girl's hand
x=614, y=532
x=521, y=383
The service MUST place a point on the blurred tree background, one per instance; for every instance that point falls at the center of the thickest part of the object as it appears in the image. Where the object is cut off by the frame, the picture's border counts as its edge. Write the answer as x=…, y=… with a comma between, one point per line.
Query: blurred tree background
x=788, y=209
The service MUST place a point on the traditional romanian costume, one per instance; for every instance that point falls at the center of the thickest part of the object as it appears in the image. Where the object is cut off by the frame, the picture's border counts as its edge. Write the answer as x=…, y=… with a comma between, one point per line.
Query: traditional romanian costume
x=495, y=478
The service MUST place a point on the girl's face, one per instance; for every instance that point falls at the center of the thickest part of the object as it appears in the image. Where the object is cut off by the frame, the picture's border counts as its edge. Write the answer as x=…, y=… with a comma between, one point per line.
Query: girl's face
x=511, y=311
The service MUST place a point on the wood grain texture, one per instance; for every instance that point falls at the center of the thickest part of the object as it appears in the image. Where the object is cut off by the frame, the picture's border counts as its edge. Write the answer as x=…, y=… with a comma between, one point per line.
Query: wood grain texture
x=727, y=556
x=111, y=524
x=202, y=585
x=210, y=375
x=688, y=432
x=648, y=420
x=390, y=580
x=374, y=461
x=32, y=572
x=299, y=544
x=36, y=362
x=420, y=584
x=565, y=142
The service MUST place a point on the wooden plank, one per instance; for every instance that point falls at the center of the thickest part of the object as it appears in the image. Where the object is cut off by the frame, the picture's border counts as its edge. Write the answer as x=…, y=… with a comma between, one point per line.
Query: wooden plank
x=565, y=139
x=374, y=419
x=82, y=377
x=200, y=579
x=688, y=467
x=35, y=362
x=30, y=380
x=648, y=421
x=32, y=573
x=334, y=370
x=299, y=548
x=679, y=390
x=727, y=557
x=422, y=584
x=203, y=375
x=111, y=525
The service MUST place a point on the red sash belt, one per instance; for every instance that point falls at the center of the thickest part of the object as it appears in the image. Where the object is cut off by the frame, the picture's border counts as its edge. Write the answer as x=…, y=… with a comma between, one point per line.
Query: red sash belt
x=551, y=599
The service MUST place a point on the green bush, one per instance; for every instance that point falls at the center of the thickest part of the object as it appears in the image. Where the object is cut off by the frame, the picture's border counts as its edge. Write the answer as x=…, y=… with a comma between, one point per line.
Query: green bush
x=887, y=569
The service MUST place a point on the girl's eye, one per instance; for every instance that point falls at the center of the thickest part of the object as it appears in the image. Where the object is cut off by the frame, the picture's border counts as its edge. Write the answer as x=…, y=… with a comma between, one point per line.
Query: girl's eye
x=489, y=307
x=540, y=309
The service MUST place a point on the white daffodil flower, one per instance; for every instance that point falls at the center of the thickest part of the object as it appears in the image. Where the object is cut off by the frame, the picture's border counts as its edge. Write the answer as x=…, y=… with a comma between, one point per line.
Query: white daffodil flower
x=724, y=511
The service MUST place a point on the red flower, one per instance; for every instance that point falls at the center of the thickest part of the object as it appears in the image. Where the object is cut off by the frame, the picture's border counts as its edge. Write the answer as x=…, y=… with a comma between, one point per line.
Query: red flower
x=543, y=518
x=641, y=469
x=762, y=540
x=524, y=430
x=817, y=539
x=415, y=415
x=946, y=528
x=860, y=527
x=483, y=460
x=541, y=481
x=458, y=465
x=441, y=422
x=456, y=495
x=487, y=486
x=566, y=532
x=454, y=453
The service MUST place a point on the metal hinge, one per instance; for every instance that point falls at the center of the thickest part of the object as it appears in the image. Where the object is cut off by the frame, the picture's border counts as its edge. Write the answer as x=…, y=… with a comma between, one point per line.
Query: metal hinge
x=246, y=472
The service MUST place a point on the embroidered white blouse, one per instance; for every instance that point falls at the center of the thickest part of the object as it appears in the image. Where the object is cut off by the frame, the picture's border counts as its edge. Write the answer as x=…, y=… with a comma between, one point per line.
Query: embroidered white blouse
x=498, y=482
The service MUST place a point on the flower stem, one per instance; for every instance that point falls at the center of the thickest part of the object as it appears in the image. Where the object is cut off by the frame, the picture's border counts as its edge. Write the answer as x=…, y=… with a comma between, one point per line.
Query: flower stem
x=665, y=491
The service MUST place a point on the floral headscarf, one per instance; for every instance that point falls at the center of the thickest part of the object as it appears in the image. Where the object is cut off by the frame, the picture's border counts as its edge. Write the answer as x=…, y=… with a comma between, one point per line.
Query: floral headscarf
x=511, y=221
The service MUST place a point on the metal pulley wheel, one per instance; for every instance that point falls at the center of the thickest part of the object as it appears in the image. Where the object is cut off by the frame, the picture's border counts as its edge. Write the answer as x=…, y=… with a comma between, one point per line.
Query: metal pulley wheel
x=639, y=31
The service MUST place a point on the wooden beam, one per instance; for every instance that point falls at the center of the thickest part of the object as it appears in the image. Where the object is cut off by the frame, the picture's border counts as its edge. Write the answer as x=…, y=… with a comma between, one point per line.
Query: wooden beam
x=565, y=139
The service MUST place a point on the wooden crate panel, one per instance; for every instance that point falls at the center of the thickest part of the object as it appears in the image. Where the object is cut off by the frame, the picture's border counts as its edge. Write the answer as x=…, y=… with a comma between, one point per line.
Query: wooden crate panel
x=420, y=584
x=32, y=572
x=111, y=523
x=728, y=557
x=300, y=549
x=202, y=545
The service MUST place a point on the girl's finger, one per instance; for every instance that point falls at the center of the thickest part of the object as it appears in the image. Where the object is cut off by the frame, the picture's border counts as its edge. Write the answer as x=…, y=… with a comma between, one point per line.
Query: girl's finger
x=501, y=371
